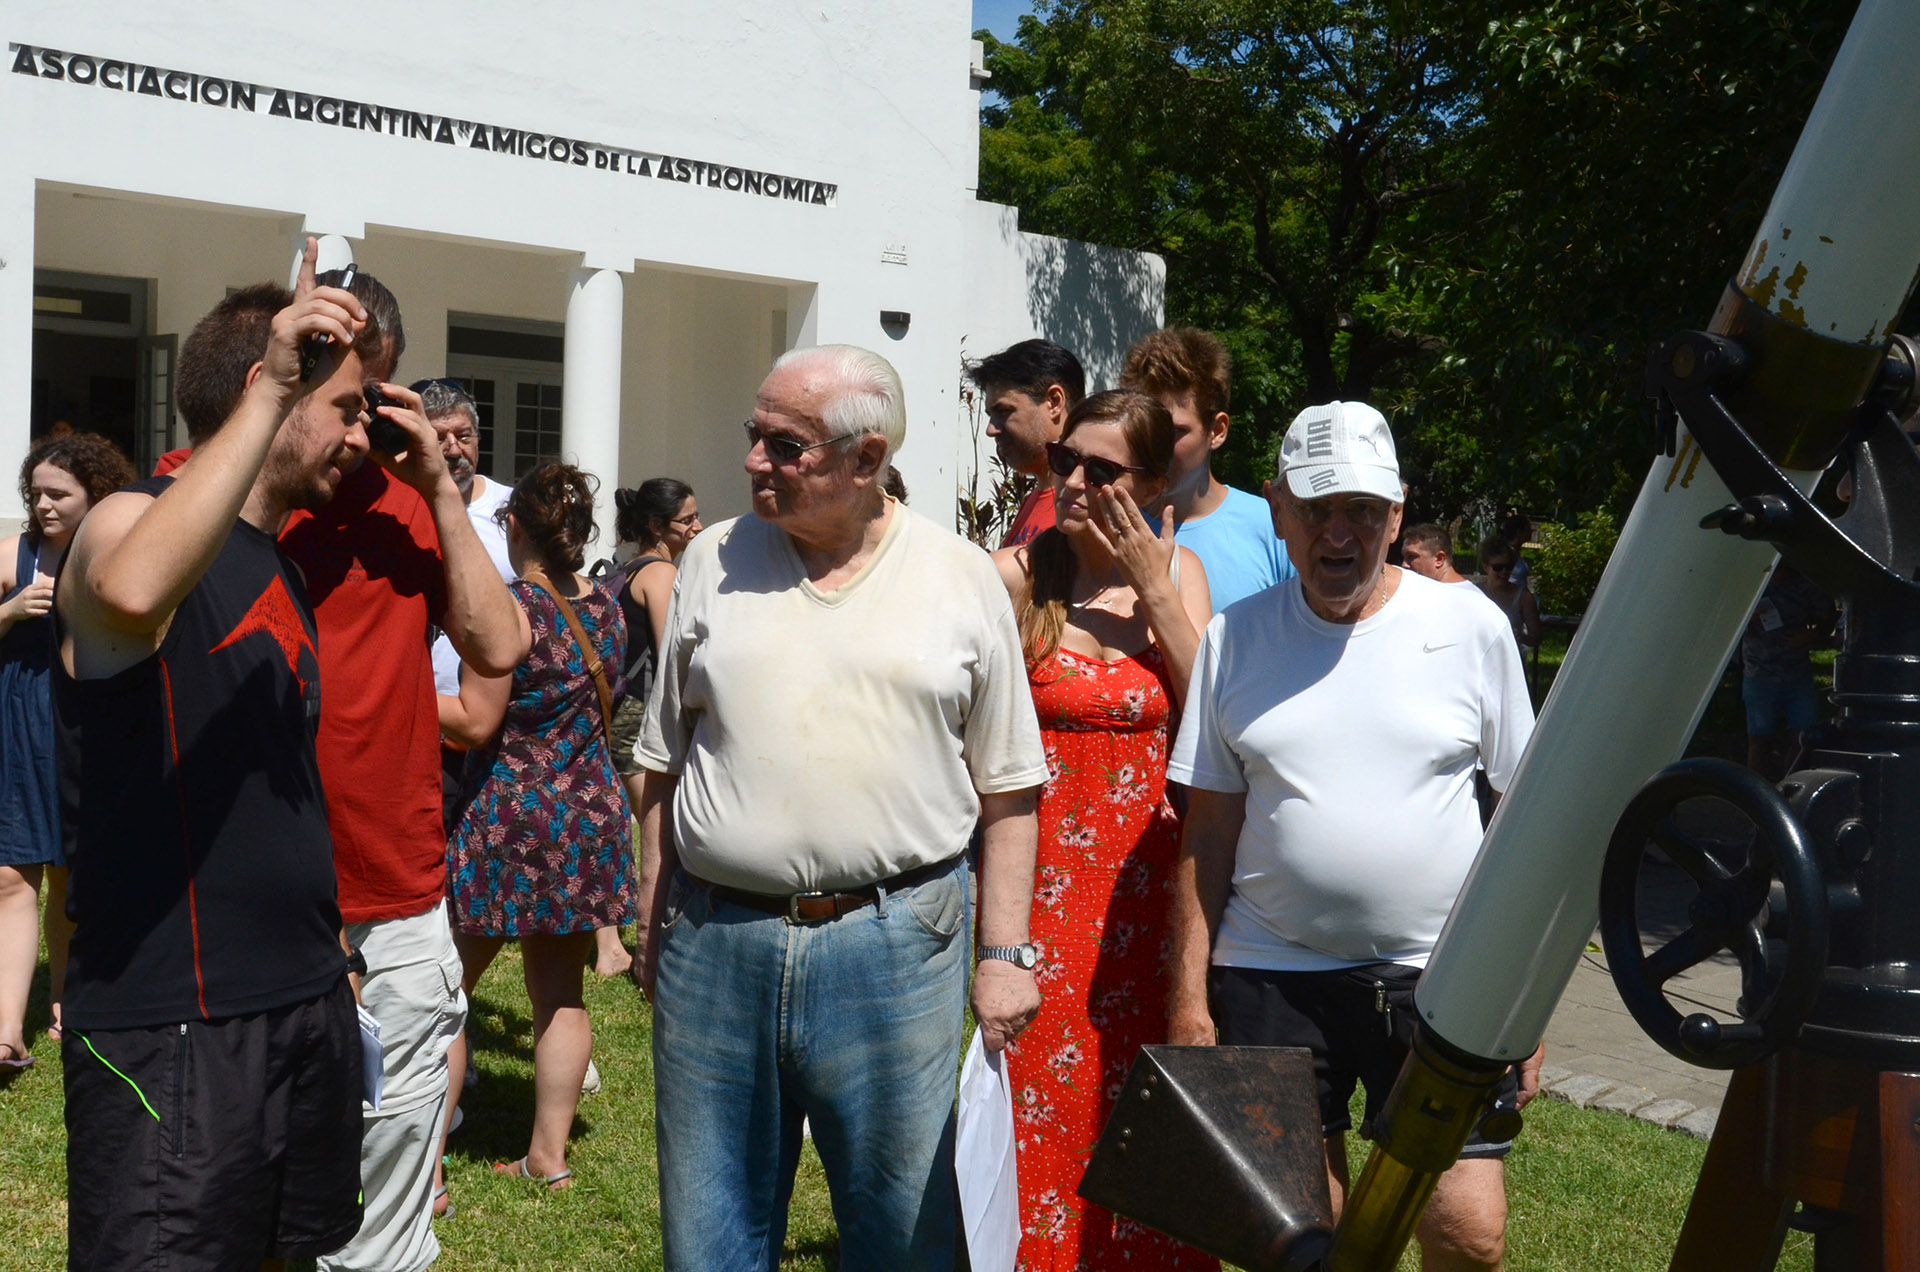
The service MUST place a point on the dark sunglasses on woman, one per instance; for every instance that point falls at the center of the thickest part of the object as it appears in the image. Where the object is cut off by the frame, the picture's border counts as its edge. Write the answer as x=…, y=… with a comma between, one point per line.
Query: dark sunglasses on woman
x=1063, y=459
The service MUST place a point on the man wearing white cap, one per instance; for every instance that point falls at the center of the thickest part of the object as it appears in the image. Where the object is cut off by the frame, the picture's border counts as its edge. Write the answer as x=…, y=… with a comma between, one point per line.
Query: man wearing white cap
x=1332, y=731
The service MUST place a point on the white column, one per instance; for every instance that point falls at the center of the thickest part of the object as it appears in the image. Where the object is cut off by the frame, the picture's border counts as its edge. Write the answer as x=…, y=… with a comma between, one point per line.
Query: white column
x=16, y=338
x=590, y=395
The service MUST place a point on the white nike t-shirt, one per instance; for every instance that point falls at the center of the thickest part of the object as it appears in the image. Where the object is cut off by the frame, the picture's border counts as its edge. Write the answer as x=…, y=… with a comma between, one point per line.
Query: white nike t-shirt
x=1356, y=746
x=492, y=497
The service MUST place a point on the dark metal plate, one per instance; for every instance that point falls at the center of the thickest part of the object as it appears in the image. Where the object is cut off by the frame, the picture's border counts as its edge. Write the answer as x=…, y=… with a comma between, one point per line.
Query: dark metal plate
x=1220, y=1147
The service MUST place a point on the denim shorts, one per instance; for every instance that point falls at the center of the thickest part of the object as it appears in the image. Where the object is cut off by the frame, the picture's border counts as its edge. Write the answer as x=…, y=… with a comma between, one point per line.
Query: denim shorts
x=1775, y=704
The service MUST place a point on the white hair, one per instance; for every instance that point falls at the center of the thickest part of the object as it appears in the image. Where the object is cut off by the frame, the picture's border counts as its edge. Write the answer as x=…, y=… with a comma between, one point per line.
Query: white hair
x=865, y=395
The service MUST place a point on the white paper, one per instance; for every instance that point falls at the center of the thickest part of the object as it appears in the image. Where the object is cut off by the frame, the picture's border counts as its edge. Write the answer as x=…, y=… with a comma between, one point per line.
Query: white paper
x=372, y=1075
x=984, y=1160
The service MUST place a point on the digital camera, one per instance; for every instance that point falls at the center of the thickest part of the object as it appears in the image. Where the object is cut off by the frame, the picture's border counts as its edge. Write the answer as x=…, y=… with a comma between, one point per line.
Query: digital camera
x=382, y=433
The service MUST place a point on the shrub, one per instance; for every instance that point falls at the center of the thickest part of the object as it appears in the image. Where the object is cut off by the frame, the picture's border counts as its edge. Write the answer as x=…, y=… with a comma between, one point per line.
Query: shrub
x=1567, y=565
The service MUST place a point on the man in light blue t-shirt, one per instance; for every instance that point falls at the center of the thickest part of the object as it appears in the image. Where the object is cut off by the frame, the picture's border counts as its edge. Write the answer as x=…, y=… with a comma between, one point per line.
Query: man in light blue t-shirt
x=1231, y=531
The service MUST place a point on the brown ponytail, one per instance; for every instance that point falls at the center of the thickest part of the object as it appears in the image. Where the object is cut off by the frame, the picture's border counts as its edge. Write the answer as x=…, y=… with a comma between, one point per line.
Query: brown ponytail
x=553, y=506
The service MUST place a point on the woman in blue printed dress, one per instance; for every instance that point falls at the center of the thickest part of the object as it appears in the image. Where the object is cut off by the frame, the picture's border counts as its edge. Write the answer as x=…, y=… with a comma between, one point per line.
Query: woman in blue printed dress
x=542, y=853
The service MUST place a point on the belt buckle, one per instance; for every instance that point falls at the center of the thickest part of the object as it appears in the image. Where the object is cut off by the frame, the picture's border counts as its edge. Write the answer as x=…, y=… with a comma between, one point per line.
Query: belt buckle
x=793, y=905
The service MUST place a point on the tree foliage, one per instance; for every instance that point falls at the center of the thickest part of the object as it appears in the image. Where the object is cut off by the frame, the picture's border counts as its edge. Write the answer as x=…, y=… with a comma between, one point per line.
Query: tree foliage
x=1475, y=213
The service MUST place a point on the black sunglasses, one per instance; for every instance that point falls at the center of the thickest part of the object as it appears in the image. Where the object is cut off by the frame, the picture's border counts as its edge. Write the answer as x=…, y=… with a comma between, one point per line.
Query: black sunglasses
x=1063, y=459
x=784, y=450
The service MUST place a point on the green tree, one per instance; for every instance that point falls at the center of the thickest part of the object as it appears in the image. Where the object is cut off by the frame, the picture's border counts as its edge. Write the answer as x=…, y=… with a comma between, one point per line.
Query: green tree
x=1623, y=157
x=1475, y=213
x=1266, y=149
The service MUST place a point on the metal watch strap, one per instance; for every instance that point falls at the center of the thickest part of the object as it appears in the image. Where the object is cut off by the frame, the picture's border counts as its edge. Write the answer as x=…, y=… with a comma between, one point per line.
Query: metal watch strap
x=1007, y=953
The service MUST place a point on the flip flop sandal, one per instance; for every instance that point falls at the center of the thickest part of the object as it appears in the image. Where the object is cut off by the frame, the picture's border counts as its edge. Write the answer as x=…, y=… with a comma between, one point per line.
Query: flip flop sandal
x=16, y=1058
x=438, y=1193
x=518, y=1170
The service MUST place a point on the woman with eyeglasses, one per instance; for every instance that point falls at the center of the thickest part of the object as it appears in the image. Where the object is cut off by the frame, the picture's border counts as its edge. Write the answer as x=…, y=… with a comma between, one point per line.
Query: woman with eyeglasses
x=543, y=853
x=660, y=517
x=1110, y=614
x=1509, y=591
x=60, y=481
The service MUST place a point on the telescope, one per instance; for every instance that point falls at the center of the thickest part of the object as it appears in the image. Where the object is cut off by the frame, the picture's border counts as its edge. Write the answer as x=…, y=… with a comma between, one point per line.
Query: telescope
x=1798, y=371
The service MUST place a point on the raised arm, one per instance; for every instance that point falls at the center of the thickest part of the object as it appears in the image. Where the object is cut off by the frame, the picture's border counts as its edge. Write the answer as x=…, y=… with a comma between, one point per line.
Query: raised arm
x=1176, y=613
x=488, y=630
x=32, y=601
x=136, y=558
x=1202, y=878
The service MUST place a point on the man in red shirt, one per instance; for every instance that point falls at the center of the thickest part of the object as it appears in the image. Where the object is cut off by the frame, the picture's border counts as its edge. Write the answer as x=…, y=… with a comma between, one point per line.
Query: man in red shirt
x=382, y=563
x=1028, y=388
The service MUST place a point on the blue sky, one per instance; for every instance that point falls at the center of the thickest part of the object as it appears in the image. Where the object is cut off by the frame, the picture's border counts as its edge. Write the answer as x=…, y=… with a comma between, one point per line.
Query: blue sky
x=1002, y=17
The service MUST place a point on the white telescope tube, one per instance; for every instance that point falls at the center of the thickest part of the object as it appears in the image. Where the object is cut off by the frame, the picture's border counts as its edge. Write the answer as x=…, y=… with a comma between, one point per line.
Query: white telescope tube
x=1836, y=256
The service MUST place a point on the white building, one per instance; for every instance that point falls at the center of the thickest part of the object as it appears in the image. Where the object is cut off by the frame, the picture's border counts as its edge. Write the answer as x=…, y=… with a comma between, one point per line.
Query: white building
x=609, y=216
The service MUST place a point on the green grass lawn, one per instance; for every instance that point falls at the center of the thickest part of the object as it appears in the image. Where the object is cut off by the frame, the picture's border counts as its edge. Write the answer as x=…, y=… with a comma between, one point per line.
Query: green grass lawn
x=1591, y=1191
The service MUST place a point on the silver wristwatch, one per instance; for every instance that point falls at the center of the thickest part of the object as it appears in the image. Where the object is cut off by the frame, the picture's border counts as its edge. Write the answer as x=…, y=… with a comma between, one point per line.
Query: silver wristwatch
x=1021, y=956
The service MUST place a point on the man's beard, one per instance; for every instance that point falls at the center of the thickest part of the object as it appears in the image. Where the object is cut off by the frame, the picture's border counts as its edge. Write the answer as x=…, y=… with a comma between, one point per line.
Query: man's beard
x=463, y=475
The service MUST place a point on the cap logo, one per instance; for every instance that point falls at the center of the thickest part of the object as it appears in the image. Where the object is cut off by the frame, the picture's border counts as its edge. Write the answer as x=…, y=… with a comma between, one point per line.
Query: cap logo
x=1320, y=439
x=1321, y=478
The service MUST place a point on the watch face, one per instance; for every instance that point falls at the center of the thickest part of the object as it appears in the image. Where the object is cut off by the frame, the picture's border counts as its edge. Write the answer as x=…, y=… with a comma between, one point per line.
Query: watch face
x=1026, y=956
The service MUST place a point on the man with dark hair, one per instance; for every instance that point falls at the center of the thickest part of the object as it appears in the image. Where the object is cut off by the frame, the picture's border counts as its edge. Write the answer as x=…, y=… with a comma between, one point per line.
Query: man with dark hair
x=394, y=554
x=212, y=1062
x=1428, y=549
x=1231, y=531
x=1027, y=390
x=373, y=563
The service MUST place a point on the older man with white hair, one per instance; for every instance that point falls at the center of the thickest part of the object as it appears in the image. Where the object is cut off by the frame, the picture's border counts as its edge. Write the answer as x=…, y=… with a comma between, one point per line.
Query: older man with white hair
x=1333, y=727
x=840, y=696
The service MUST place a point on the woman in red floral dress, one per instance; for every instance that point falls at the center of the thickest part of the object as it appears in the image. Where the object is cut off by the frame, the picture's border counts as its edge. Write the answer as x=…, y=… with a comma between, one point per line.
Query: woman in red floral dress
x=1110, y=615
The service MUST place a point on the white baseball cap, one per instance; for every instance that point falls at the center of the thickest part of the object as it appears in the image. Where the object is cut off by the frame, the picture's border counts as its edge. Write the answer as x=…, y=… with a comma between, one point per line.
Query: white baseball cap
x=1340, y=448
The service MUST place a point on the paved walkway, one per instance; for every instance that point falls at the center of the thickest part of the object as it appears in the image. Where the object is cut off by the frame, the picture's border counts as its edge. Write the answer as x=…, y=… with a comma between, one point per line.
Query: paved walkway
x=1598, y=1056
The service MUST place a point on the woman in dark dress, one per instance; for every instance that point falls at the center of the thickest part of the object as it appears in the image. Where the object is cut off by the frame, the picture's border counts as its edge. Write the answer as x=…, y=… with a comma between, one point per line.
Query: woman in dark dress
x=660, y=518
x=543, y=854
x=62, y=478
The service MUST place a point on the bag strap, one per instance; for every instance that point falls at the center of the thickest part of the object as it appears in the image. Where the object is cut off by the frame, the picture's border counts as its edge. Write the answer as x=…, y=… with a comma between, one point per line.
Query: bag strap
x=595, y=667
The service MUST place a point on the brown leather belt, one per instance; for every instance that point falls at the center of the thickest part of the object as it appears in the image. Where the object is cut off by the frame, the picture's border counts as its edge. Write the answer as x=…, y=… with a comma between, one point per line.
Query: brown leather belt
x=812, y=907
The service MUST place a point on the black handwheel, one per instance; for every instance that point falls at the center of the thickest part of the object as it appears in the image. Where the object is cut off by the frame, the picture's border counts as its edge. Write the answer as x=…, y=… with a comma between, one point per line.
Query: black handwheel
x=1731, y=912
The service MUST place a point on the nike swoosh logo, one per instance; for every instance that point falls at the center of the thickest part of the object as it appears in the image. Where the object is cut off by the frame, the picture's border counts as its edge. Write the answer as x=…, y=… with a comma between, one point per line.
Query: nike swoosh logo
x=1430, y=647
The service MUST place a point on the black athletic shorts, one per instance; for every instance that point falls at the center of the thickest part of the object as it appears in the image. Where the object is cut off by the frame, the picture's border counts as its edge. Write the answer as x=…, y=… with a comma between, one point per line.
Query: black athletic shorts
x=1357, y=1021
x=210, y=1146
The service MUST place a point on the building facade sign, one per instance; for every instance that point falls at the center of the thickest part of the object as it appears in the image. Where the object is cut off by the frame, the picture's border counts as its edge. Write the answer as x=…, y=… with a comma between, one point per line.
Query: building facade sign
x=230, y=94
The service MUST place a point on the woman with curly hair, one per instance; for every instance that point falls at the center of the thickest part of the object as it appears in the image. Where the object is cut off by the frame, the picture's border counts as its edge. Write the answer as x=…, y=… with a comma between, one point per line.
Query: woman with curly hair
x=543, y=854
x=61, y=480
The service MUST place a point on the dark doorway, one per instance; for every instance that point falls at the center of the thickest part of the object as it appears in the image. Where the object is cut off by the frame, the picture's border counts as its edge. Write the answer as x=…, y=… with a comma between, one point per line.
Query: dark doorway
x=95, y=367
x=89, y=382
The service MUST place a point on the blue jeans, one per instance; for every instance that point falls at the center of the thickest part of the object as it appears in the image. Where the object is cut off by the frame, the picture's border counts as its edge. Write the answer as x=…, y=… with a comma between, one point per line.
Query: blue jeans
x=853, y=1023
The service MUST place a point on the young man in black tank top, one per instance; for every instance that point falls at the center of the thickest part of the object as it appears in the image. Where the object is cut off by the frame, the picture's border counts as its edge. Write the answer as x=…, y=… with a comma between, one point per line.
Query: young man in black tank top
x=213, y=1072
